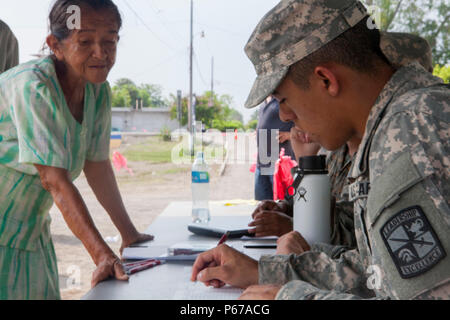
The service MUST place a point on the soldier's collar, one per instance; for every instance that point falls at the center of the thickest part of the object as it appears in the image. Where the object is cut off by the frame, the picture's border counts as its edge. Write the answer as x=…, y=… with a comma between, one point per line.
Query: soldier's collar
x=403, y=80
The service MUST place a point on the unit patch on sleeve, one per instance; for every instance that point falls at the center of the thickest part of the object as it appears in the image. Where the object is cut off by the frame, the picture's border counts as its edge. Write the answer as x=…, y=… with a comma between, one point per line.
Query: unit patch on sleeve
x=412, y=242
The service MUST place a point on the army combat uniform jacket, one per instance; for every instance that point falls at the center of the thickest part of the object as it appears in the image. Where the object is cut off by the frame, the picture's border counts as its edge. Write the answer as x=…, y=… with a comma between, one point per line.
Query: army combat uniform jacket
x=400, y=185
x=9, y=48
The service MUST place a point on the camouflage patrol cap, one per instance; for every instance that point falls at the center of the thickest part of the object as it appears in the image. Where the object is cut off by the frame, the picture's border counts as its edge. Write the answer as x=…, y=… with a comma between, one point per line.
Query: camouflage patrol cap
x=403, y=48
x=291, y=31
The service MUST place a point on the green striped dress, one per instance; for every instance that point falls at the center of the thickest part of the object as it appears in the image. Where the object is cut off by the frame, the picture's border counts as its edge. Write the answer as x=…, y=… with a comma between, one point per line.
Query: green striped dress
x=36, y=127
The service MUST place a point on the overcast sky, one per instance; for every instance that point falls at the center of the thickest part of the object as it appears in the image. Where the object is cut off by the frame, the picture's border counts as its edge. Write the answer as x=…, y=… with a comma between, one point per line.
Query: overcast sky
x=154, y=45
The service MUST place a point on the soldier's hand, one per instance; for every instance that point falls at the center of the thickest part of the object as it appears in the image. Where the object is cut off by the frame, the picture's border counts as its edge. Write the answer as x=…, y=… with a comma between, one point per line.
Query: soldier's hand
x=263, y=292
x=224, y=265
x=292, y=242
x=283, y=136
x=270, y=223
x=269, y=205
x=302, y=145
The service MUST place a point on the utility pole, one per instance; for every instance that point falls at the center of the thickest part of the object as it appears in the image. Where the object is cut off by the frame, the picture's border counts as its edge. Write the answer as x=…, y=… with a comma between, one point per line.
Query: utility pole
x=211, y=102
x=190, y=124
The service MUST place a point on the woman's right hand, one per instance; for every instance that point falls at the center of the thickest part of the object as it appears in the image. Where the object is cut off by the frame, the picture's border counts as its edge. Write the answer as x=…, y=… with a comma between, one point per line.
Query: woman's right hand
x=108, y=266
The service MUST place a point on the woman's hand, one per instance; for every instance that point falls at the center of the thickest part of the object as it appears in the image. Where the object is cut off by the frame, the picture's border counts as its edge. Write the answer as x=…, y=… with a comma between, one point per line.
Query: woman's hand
x=108, y=266
x=135, y=238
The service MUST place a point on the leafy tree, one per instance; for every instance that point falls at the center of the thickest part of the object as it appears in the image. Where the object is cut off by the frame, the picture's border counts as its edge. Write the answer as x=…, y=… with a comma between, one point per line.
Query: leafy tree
x=442, y=72
x=212, y=110
x=252, y=124
x=426, y=18
x=120, y=97
x=125, y=94
x=224, y=125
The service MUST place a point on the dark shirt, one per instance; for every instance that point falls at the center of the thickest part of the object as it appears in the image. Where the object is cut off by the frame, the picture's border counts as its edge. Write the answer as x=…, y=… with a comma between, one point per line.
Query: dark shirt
x=269, y=118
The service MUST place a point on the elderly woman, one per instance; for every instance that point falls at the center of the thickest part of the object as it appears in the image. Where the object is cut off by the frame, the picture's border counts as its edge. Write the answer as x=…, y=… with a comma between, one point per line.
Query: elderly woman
x=9, y=48
x=55, y=121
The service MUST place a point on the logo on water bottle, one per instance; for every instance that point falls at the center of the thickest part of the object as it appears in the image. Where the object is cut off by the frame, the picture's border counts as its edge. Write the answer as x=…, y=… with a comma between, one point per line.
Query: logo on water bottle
x=200, y=177
x=302, y=192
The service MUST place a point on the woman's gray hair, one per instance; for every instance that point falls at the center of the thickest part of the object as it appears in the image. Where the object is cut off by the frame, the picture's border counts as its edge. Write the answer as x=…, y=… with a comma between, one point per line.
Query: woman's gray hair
x=60, y=14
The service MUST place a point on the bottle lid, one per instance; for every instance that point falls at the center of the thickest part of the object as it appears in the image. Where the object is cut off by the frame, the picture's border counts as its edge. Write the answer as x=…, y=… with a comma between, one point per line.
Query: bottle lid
x=316, y=163
x=199, y=155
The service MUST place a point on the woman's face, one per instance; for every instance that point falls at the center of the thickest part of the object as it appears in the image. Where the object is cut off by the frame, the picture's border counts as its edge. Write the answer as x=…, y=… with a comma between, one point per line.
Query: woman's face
x=90, y=52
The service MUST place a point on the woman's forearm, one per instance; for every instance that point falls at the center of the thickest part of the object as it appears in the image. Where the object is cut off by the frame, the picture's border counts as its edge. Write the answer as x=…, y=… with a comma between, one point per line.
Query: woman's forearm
x=75, y=213
x=101, y=179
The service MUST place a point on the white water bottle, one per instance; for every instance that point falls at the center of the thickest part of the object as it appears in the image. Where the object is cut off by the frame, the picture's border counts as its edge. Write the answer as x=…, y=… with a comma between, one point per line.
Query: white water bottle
x=312, y=200
x=200, y=190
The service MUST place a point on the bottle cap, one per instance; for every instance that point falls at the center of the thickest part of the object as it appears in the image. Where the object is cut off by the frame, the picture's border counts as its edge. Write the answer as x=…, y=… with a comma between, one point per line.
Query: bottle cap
x=313, y=163
x=199, y=155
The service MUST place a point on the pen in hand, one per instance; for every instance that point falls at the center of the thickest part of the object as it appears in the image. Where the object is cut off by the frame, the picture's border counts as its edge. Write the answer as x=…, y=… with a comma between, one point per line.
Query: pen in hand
x=224, y=238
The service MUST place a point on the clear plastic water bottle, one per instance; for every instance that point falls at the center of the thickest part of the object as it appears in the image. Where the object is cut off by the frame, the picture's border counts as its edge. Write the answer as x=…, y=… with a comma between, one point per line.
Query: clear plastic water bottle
x=200, y=190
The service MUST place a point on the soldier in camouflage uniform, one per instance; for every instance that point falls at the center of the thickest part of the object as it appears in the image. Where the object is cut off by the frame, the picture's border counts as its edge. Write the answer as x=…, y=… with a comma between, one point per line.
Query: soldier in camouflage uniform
x=400, y=49
x=9, y=48
x=399, y=179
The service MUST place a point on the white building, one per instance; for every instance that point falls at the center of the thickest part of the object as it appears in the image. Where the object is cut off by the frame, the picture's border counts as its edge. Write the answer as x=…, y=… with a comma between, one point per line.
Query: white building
x=151, y=120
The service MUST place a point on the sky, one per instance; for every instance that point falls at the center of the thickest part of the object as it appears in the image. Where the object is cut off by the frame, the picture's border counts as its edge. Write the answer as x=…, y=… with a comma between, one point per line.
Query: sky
x=154, y=44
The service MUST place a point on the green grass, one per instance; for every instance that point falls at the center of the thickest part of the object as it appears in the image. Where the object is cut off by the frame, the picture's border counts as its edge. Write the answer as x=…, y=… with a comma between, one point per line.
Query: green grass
x=152, y=150
x=155, y=150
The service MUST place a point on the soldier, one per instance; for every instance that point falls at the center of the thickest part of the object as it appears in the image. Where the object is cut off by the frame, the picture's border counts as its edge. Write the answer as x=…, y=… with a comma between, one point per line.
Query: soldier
x=9, y=48
x=322, y=60
x=400, y=49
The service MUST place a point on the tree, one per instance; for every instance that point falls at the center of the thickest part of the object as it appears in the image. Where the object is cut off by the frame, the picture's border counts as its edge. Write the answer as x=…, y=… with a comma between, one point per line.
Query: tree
x=426, y=18
x=212, y=110
x=442, y=72
x=125, y=94
x=120, y=97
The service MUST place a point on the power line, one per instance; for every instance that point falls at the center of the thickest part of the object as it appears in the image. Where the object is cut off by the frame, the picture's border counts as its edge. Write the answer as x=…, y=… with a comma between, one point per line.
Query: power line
x=146, y=26
x=198, y=69
x=177, y=54
x=163, y=22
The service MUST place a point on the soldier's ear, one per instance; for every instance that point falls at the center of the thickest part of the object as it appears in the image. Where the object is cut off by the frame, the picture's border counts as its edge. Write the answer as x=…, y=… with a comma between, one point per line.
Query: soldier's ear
x=328, y=80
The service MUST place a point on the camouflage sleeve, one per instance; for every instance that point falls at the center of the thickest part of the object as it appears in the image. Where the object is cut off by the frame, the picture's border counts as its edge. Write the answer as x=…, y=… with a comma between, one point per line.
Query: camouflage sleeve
x=301, y=290
x=345, y=274
x=333, y=251
x=408, y=215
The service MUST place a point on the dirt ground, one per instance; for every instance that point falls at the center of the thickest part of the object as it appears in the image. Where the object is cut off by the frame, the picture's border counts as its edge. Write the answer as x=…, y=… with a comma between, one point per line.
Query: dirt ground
x=145, y=194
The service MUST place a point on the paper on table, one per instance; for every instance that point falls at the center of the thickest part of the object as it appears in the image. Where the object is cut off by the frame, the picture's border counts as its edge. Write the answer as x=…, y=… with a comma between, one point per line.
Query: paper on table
x=188, y=290
x=247, y=238
x=159, y=253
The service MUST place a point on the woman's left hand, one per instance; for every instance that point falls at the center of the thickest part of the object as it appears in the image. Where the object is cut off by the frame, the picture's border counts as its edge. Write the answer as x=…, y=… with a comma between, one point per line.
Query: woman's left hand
x=137, y=238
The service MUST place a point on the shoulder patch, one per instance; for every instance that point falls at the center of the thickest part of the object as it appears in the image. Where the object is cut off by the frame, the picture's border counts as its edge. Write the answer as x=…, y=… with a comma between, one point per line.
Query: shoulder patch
x=412, y=243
